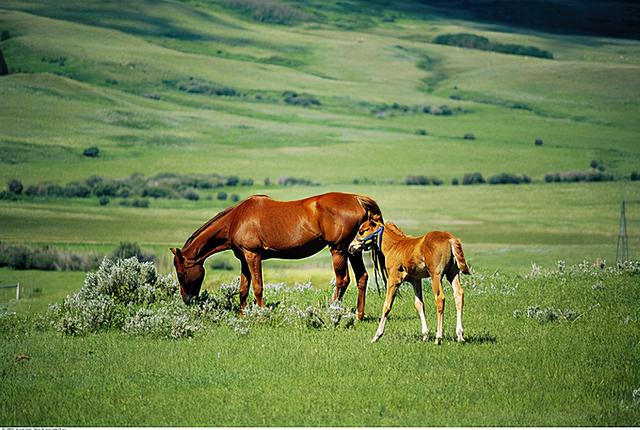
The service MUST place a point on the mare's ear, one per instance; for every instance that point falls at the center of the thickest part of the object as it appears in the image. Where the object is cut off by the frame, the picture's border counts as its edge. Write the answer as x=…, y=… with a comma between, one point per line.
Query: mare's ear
x=178, y=253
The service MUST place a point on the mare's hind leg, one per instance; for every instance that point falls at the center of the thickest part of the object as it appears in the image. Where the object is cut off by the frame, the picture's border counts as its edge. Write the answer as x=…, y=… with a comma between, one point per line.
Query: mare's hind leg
x=361, y=278
x=393, y=283
x=417, y=290
x=341, y=270
x=254, y=262
x=436, y=285
x=458, y=294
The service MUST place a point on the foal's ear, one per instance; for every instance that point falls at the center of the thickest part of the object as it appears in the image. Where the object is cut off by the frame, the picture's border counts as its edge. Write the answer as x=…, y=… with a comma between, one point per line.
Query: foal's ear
x=377, y=218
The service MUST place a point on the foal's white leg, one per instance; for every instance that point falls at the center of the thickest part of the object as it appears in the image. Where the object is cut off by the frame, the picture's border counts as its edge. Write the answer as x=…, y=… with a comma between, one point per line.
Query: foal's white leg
x=417, y=290
x=458, y=294
x=436, y=286
x=392, y=286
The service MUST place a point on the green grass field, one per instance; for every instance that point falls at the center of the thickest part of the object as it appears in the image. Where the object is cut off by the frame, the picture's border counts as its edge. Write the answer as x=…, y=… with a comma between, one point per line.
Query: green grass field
x=202, y=87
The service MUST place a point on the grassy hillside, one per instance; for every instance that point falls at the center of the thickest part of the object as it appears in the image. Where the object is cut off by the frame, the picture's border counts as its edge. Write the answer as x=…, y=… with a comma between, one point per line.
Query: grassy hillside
x=139, y=82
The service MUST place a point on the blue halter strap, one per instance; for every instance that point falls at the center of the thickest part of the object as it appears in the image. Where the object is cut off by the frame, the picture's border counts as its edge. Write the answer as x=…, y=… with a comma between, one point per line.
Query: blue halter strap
x=377, y=234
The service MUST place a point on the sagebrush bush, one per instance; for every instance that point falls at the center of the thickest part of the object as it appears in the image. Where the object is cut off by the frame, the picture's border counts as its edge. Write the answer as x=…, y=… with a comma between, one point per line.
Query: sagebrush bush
x=111, y=296
x=129, y=295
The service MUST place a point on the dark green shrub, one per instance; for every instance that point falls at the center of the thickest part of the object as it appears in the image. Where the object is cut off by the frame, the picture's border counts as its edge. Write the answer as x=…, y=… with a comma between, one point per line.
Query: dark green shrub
x=104, y=200
x=635, y=176
x=269, y=11
x=469, y=136
x=577, y=176
x=473, y=178
x=235, y=198
x=421, y=132
x=105, y=189
x=509, y=178
x=4, y=69
x=156, y=192
x=455, y=181
x=222, y=195
x=92, y=151
x=15, y=186
x=5, y=35
x=194, y=86
x=538, y=141
x=295, y=99
x=191, y=195
x=75, y=189
x=55, y=190
x=20, y=257
x=473, y=41
x=416, y=180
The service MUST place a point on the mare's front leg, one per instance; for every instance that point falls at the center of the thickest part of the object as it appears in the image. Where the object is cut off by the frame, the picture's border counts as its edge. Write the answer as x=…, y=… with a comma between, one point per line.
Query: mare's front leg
x=341, y=270
x=417, y=290
x=245, y=280
x=393, y=283
x=254, y=263
x=361, y=278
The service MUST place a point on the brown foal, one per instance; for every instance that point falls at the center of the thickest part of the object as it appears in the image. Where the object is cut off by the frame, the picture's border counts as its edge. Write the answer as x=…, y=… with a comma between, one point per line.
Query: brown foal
x=409, y=259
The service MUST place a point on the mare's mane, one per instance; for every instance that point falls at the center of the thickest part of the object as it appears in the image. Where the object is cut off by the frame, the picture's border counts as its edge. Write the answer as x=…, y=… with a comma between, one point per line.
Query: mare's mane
x=217, y=217
x=206, y=225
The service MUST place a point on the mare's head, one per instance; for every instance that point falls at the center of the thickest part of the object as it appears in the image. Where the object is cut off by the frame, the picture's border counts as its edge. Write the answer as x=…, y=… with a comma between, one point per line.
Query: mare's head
x=190, y=275
x=369, y=235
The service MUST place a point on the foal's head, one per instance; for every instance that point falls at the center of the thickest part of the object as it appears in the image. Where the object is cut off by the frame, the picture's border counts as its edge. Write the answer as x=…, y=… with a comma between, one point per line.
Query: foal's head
x=190, y=275
x=368, y=235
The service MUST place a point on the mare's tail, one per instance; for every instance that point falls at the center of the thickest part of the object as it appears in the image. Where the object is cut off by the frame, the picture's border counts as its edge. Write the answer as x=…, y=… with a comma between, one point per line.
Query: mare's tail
x=458, y=255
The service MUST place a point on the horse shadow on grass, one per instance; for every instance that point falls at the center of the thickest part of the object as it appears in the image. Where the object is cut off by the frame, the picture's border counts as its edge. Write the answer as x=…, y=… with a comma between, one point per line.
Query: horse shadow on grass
x=471, y=339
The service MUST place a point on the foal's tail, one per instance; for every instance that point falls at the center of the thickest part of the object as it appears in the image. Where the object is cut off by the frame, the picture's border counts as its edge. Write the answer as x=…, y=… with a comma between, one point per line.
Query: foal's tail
x=458, y=255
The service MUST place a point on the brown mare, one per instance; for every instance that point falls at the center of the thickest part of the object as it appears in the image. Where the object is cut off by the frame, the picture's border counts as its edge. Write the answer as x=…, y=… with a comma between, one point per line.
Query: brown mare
x=260, y=228
x=436, y=254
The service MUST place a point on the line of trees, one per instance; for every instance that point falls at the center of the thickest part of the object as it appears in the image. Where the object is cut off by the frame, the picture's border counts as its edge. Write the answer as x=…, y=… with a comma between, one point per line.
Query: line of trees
x=473, y=41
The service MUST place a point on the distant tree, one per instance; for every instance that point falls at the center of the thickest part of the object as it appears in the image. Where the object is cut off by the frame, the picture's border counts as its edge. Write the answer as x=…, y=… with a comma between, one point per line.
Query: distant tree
x=538, y=141
x=594, y=164
x=15, y=186
x=4, y=69
x=469, y=136
x=92, y=151
x=455, y=181
x=235, y=198
x=222, y=195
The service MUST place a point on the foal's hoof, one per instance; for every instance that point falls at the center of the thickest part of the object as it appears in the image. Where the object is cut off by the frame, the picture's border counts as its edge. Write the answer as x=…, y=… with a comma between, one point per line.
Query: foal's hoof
x=425, y=337
x=460, y=339
x=438, y=341
x=375, y=338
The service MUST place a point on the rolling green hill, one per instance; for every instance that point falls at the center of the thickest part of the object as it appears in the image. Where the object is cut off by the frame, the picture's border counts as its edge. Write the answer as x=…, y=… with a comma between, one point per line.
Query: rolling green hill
x=200, y=87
